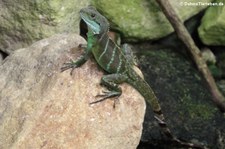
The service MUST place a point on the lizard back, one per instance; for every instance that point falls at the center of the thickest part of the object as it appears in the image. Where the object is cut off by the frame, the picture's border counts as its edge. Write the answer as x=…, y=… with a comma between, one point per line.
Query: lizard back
x=108, y=55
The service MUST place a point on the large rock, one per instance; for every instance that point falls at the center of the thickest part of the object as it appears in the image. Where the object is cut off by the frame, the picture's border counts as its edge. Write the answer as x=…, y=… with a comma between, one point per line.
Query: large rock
x=186, y=102
x=40, y=107
x=141, y=20
x=212, y=28
x=23, y=21
x=1, y=57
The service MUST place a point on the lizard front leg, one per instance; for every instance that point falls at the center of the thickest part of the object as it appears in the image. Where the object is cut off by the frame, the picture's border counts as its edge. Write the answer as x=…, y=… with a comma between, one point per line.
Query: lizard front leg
x=111, y=82
x=77, y=63
x=83, y=58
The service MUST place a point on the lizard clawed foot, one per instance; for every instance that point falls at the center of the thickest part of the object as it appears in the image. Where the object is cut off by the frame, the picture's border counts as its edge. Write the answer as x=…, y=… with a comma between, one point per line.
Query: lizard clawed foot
x=161, y=122
x=74, y=64
x=69, y=65
x=82, y=46
x=106, y=95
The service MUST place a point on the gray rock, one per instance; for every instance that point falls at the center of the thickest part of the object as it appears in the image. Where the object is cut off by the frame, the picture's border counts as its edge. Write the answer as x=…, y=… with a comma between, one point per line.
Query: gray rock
x=1, y=57
x=40, y=107
x=23, y=21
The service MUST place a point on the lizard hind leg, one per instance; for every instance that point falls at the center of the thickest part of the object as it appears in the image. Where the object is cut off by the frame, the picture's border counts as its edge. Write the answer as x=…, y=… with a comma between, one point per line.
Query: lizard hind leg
x=111, y=82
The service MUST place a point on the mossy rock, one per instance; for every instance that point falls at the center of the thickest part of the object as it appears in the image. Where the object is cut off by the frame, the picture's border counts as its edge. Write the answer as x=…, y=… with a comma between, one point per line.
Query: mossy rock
x=184, y=97
x=26, y=21
x=143, y=20
x=212, y=28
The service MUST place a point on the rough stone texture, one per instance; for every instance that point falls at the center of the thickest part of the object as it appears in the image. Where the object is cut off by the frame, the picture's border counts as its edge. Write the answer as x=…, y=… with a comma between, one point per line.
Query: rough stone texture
x=212, y=28
x=1, y=57
x=184, y=97
x=23, y=21
x=143, y=19
x=40, y=107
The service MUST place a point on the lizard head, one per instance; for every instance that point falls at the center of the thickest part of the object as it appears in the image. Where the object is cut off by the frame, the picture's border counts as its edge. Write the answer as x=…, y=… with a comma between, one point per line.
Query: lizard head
x=94, y=20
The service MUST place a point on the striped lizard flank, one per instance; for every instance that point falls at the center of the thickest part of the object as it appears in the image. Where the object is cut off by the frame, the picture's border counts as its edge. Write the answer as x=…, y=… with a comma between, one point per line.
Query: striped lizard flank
x=108, y=55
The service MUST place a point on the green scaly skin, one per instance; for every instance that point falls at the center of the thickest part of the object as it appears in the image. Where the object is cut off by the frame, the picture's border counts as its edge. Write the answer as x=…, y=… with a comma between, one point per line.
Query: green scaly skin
x=119, y=64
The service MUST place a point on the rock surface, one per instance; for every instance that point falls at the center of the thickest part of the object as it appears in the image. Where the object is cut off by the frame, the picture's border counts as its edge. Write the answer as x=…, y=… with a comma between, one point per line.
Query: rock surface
x=141, y=20
x=184, y=97
x=212, y=28
x=40, y=107
x=23, y=21
x=1, y=57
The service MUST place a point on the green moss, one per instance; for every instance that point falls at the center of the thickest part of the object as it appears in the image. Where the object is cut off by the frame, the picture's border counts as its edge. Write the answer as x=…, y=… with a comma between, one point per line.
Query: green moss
x=27, y=21
x=125, y=19
x=212, y=28
x=142, y=19
x=197, y=110
x=215, y=71
x=183, y=84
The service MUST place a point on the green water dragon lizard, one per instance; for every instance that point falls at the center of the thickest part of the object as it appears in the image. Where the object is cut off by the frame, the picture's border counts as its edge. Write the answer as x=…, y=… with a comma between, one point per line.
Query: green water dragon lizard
x=119, y=64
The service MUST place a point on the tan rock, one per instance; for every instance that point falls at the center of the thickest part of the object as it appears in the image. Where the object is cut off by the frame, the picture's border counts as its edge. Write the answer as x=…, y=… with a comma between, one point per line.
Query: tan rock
x=1, y=57
x=40, y=107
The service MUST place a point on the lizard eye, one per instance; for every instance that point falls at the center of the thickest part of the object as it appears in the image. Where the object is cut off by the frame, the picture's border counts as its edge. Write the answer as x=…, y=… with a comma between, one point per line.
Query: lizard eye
x=93, y=16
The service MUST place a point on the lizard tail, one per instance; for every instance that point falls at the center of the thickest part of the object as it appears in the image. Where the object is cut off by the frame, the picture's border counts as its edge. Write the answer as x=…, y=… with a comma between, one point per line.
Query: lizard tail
x=142, y=86
x=161, y=121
